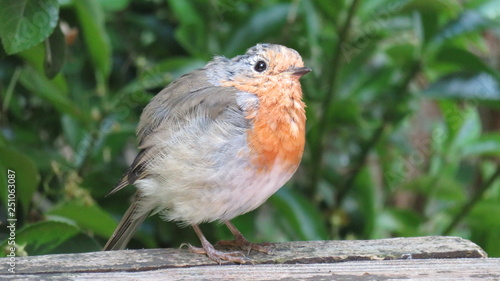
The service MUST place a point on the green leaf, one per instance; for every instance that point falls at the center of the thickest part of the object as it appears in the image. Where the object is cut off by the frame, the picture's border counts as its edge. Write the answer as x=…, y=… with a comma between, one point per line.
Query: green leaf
x=460, y=85
x=91, y=18
x=41, y=237
x=73, y=131
x=489, y=241
x=331, y=8
x=469, y=131
x=437, y=187
x=488, y=8
x=313, y=28
x=192, y=30
x=26, y=23
x=449, y=8
x=467, y=22
x=26, y=175
x=41, y=86
x=486, y=145
x=397, y=222
x=365, y=192
x=305, y=219
x=261, y=25
x=345, y=111
x=464, y=59
x=483, y=221
x=428, y=25
x=401, y=54
x=378, y=9
x=87, y=217
x=79, y=243
x=453, y=121
x=484, y=214
x=55, y=53
x=35, y=57
x=114, y=5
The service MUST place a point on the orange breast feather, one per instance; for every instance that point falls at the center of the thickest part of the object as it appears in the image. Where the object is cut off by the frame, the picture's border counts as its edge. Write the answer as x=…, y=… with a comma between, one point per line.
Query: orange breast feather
x=278, y=132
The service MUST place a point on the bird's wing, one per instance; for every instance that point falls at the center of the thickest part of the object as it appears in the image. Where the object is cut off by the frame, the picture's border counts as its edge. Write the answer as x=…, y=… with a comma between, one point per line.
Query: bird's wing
x=189, y=97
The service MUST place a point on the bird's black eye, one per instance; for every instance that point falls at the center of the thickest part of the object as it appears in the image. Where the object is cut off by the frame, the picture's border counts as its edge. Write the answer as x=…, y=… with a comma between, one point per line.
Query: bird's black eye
x=260, y=66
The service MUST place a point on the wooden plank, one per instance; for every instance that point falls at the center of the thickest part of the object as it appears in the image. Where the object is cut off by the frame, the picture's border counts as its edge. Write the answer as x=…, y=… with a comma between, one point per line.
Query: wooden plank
x=284, y=253
x=423, y=269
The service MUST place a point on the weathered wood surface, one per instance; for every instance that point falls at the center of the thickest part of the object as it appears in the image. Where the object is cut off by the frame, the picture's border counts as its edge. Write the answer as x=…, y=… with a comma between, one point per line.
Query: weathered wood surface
x=425, y=269
x=434, y=257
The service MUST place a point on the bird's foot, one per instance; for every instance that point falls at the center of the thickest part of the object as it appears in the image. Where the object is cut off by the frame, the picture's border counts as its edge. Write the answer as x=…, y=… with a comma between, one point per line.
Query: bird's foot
x=219, y=256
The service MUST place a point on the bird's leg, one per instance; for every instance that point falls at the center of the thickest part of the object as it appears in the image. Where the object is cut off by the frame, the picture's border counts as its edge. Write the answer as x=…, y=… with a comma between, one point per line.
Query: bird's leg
x=214, y=254
x=241, y=242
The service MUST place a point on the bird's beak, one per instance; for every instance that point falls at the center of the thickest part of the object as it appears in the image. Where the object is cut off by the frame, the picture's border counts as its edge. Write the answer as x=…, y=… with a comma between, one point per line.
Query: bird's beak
x=297, y=71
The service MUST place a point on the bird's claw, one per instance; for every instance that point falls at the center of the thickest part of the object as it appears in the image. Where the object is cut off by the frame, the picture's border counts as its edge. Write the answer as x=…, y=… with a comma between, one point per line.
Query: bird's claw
x=219, y=256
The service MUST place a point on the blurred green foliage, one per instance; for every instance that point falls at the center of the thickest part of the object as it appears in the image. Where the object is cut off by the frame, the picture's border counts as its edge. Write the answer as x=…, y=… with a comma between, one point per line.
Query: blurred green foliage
x=403, y=114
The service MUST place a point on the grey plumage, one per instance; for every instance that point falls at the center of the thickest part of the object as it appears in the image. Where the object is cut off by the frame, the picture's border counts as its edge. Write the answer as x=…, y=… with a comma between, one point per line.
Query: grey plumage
x=189, y=99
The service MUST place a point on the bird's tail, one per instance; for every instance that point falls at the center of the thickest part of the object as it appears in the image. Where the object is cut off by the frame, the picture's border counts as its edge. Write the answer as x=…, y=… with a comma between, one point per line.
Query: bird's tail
x=126, y=228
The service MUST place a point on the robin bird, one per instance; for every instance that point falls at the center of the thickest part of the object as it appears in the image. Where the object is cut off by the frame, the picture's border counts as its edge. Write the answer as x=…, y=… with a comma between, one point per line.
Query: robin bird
x=217, y=143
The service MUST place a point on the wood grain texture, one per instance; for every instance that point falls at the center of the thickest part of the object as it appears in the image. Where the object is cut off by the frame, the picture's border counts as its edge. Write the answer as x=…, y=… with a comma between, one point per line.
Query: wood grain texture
x=426, y=269
x=403, y=257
